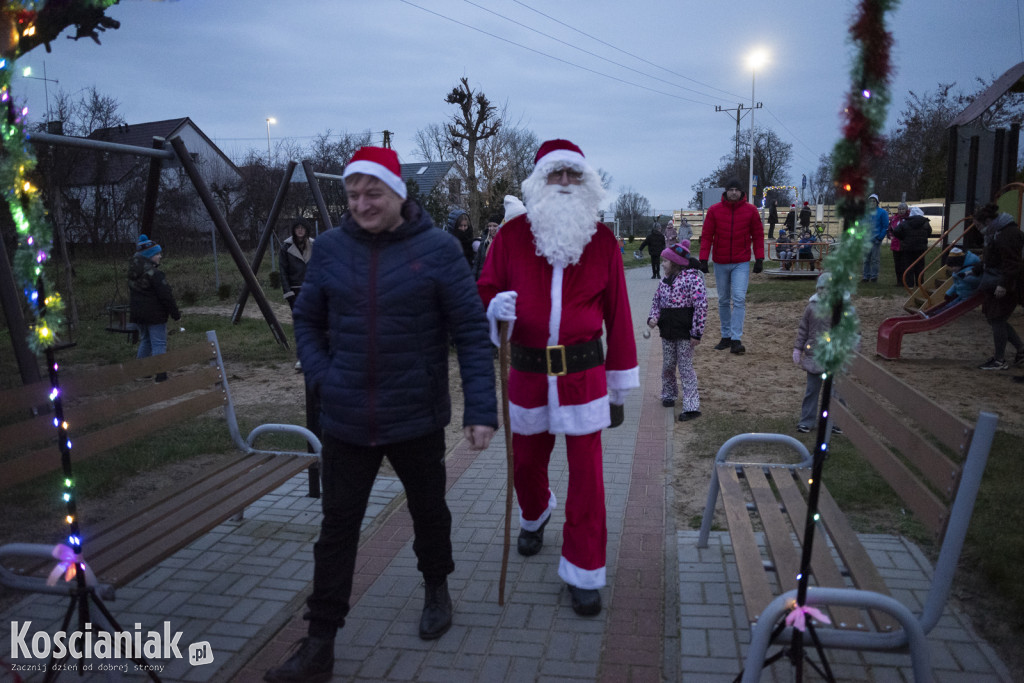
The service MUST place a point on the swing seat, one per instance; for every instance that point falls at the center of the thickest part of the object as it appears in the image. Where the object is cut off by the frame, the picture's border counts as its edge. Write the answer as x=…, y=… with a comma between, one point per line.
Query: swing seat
x=931, y=459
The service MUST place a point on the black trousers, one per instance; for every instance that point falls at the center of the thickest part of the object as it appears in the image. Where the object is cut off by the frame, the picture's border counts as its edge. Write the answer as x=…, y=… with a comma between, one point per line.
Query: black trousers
x=348, y=475
x=656, y=265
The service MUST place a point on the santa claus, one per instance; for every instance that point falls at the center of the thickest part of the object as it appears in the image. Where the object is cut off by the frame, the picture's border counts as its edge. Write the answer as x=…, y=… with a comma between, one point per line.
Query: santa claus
x=555, y=274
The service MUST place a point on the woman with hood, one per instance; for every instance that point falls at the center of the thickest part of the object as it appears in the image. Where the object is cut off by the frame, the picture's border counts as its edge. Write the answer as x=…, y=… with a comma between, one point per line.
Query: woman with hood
x=458, y=225
x=913, y=233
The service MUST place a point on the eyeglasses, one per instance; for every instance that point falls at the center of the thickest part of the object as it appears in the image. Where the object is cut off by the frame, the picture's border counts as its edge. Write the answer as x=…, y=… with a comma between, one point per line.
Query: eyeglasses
x=572, y=174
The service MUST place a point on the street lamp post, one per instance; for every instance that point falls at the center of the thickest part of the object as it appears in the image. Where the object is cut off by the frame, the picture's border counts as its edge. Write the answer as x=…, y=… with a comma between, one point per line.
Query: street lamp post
x=270, y=120
x=756, y=59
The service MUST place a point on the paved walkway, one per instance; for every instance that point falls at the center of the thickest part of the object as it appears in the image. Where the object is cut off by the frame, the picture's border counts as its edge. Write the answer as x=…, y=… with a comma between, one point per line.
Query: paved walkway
x=672, y=612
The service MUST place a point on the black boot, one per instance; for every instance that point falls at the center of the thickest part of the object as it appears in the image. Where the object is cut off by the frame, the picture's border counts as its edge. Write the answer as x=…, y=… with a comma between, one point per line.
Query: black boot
x=312, y=662
x=437, y=611
x=586, y=602
x=530, y=542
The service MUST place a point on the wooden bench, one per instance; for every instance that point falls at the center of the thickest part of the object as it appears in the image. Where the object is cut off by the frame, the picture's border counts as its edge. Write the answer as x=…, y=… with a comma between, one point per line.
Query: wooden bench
x=933, y=461
x=107, y=407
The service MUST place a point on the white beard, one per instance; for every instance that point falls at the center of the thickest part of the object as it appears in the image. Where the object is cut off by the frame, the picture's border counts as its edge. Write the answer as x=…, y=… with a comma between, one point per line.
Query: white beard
x=562, y=219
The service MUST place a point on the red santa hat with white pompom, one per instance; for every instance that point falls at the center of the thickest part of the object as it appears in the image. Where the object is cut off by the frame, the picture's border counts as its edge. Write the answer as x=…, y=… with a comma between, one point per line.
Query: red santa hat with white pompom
x=379, y=162
x=555, y=152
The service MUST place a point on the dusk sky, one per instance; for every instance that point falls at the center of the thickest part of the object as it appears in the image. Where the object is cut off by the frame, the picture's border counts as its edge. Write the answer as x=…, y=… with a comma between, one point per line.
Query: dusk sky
x=635, y=84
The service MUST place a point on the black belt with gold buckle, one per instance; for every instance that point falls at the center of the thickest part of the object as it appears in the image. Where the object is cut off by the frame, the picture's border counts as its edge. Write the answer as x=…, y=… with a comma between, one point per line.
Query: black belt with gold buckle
x=558, y=360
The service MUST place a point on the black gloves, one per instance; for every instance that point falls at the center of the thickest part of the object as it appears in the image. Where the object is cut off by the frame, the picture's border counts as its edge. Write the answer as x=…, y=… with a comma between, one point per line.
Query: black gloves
x=704, y=265
x=758, y=265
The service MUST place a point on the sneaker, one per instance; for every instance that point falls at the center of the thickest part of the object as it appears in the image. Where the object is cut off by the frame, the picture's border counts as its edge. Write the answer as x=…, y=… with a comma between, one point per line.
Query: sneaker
x=802, y=429
x=689, y=415
x=298, y=366
x=836, y=429
x=994, y=364
x=724, y=344
x=668, y=402
x=737, y=347
x=1018, y=358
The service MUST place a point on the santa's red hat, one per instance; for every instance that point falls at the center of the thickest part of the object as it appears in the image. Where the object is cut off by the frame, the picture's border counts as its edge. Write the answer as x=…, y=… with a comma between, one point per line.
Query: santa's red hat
x=553, y=152
x=380, y=163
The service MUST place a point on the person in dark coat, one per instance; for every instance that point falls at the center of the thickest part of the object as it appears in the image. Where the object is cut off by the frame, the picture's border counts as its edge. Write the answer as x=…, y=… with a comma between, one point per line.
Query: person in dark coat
x=458, y=225
x=913, y=233
x=295, y=254
x=655, y=244
x=1001, y=273
x=805, y=216
x=773, y=217
x=151, y=300
x=384, y=293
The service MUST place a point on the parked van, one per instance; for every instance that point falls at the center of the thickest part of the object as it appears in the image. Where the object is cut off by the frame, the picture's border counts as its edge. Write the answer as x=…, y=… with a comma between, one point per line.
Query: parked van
x=933, y=212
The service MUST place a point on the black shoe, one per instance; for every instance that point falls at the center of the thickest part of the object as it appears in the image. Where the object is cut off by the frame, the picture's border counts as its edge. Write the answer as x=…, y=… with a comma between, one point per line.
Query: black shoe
x=802, y=429
x=1018, y=358
x=689, y=415
x=586, y=602
x=530, y=542
x=437, y=611
x=668, y=402
x=312, y=662
x=724, y=344
x=161, y=377
x=737, y=347
x=994, y=364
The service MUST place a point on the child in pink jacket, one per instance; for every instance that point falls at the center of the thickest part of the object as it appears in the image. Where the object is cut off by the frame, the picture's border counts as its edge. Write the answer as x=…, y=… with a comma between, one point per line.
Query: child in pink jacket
x=679, y=310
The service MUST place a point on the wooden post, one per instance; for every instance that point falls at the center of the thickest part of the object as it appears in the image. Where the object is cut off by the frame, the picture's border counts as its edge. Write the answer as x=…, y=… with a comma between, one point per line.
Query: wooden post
x=229, y=239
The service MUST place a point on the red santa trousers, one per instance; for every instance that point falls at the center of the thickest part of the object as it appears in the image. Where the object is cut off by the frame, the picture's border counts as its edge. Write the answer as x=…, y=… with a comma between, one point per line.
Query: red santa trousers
x=585, y=533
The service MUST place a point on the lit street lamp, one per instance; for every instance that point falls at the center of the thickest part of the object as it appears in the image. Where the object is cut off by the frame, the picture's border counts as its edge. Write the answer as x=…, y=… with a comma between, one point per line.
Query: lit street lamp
x=270, y=120
x=755, y=60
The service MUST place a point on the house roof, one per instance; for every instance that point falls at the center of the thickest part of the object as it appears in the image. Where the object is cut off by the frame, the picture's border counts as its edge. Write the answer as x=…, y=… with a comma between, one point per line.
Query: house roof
x=1011, y=81
x=119, y=166
x=427, y=174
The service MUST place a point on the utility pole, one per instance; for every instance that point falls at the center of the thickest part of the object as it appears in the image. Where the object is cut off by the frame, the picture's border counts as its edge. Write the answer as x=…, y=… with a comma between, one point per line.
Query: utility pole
x=739, y=115
x=387, y=139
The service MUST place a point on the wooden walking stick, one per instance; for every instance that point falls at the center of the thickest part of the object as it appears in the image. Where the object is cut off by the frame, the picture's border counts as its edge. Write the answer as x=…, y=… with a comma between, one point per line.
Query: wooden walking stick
x=503, y=362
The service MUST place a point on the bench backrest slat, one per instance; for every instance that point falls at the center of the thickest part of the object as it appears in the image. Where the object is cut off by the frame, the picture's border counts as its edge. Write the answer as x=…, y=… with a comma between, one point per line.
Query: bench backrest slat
x=949, y=429
x=916, y=495
x=89, y=382
x=86, y=416
x=39, y=462
x=932, y=463
x=105, y=407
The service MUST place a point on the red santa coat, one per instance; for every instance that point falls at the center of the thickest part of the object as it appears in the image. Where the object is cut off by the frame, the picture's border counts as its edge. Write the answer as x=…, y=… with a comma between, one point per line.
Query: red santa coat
x=563, y=305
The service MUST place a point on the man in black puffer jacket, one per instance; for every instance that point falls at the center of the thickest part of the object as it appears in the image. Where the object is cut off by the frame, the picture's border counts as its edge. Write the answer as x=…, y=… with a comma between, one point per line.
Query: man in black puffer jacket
x=383, y=295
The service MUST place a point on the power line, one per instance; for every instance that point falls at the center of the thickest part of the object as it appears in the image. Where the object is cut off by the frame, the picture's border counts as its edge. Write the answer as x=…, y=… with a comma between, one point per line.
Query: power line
x=588, y=52
x=544, y=54
x=792, y=134
x=674, y=73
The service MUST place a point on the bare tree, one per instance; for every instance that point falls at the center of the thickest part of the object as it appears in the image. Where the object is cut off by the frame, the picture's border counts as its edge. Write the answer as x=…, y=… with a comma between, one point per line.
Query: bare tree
x=633, y=212
x=820, y=184
x=475, y=120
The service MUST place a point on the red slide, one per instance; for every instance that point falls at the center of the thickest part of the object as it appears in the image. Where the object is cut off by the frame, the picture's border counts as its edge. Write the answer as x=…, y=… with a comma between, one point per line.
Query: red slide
x=891, y=331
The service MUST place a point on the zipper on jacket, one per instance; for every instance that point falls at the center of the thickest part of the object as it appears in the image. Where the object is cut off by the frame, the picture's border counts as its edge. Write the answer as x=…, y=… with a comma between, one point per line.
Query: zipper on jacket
x=371, y=346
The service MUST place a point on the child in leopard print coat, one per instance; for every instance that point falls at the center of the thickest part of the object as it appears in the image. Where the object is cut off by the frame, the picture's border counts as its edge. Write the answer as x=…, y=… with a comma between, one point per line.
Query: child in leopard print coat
x=679, y=310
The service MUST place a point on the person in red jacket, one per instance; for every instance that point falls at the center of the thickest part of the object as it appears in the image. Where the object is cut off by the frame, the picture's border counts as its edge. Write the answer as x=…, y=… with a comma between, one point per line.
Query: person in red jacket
x=732, y=228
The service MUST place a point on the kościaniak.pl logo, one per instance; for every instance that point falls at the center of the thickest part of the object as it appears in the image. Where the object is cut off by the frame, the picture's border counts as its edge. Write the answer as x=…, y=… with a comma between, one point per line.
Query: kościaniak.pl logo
x=97, y=644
